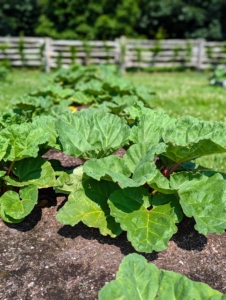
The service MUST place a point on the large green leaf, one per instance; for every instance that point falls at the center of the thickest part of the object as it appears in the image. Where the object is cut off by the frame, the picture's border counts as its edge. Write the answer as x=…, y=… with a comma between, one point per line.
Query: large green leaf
x=149, y=224
x=47, y=123
x=204, y=198
x=82, y=98
x=139, y=159
x=150, y=127
x=112, y=168
x=36, y=171
x=137, y=152
x=89, y=205
x=24, y=140
x=17, y=206
x=139, y=280
x=93, y=87
x=91, y=134
x=189, y=138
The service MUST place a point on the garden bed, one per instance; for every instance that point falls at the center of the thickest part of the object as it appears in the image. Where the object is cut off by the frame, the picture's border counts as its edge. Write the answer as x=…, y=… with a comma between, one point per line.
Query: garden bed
x=42, y=259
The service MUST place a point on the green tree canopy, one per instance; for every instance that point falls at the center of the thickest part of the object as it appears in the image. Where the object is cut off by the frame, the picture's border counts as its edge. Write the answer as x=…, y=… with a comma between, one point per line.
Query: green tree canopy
x=105, y=20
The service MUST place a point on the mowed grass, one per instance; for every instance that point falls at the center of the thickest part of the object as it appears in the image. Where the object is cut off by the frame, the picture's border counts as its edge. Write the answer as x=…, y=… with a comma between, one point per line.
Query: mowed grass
x=19, y=83
x=185, y=94
x=177, y=93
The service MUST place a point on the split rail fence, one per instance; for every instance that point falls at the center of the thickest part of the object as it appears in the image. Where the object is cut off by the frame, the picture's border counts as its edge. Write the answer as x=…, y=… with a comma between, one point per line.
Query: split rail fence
x=127, y=53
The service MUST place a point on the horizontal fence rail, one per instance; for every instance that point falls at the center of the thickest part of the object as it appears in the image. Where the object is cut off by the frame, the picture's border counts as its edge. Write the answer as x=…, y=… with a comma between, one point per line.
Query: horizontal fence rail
x=127, y=53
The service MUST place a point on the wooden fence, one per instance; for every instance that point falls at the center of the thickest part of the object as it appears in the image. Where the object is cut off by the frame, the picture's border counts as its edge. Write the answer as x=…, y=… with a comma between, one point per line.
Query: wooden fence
x=128, y=53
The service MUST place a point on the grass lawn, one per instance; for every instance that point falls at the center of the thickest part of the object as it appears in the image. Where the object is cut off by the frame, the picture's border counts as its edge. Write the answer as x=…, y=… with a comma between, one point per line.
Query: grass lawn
x=18, y=83
x=185, y=94
x=177, y=93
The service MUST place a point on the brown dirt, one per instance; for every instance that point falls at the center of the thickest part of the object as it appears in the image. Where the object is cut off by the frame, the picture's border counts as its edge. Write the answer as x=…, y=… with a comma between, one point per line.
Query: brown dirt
x=42, y=259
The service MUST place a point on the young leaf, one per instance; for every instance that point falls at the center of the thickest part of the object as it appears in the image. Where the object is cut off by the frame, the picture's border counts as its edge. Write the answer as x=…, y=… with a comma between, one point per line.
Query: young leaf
x=67, y=183
x=18, y=206
x=91, y=134
x=89, y=205
x=137, y=279
x=147, y=230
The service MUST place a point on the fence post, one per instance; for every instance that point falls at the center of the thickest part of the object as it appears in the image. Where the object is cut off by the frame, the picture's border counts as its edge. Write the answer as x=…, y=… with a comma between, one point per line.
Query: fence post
x=122, y=47
x=200, y=53
x=47, y=54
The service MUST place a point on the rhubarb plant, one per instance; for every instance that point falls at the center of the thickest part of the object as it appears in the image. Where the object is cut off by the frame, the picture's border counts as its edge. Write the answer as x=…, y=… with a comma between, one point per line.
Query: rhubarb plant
x=136, y=279
x=22, y=170
x=156, y=182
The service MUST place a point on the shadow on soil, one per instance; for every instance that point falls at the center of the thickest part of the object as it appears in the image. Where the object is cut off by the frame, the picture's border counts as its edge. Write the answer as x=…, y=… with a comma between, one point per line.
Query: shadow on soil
x=121, y=241
x=187, y=237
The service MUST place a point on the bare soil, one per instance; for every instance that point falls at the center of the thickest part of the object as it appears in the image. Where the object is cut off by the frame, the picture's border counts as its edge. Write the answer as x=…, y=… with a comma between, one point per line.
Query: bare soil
x=42, y=259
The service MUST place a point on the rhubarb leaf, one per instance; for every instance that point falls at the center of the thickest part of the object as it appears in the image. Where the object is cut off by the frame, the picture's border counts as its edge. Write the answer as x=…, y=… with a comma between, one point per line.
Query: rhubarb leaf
x=24, y=140
x=111, y=168
x=150, y=127
x=48, y=125
x=18, y=206
x=205, y=200
x=92, y=134
x=36, y=171
x=89, y=205
x=137, y=279
x=149, y=224
x=3, y=146
x=189, y=138
x=67, y=183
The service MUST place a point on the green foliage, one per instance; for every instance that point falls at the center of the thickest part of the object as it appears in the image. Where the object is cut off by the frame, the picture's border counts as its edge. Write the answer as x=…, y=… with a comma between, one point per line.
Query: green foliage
x=219, y=77
x=3, y=73
x=19, y=17
x=136, y=279
x=107, y=20
x=145, y=193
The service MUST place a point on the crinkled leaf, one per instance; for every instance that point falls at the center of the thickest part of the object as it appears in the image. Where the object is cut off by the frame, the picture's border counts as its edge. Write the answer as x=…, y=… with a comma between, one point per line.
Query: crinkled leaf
x=18, y=206
x=47, y=123
x=67, y=183
x=111, y=168
x=189, y=138
x=36, y=171
x=31, y=103
x=178, y=179
x=91, y=134
x=93, y=87
x=161, y=183
x=150, y=127
x=139, y=280
x=9, y=118
x=147, y=229
x=205, y=200
x=137, y=110
x=136, y=152
x=24, y=140
x=3, y=146
x=82, y=98
x=89, y=205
